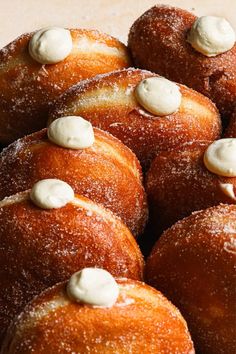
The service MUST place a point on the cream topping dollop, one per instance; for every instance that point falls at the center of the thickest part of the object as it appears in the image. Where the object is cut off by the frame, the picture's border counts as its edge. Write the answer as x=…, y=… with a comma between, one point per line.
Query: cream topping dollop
x=72, y=132
x=211, y=35
x=50, y=45
x=158, y=95
x=93, y=286
x=51, y=193
x=228, y=189
x=220, y=157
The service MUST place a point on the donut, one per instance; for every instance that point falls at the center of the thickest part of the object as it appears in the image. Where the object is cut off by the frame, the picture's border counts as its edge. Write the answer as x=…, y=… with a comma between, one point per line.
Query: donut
x=47, y=234
x=112, y=102
x=193, y=264
x=106, y=171
x=139, y=320
x=231, y=128
x=159, y=41
x=180, y=182
x=30, y=81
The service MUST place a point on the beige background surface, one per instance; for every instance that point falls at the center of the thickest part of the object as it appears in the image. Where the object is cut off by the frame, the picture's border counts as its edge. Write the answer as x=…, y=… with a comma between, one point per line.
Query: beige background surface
x=111, y=16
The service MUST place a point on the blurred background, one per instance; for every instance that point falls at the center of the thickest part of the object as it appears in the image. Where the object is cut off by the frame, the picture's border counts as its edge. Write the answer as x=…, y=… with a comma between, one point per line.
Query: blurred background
x=111, y=16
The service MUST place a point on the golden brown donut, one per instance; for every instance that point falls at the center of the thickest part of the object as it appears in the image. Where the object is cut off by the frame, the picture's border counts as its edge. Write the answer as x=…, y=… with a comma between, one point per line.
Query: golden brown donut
x=28, y=88
x=108, y=102
x=39, y=248
x=193, y=264
x=107, y=172
x=157, y=41
x=231, y=129
x=141, y=321
x=179, y=183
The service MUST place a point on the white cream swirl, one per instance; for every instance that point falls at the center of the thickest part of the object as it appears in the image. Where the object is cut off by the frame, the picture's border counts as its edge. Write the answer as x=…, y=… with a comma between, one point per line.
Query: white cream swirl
x=93, y=286
x=211, y=35
x=50, y=45
x=158, y=95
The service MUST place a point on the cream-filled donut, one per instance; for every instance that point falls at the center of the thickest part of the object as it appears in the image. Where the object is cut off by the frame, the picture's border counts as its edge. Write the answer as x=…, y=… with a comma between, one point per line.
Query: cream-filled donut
x=146, y=112
x=193, y=177
x=193, y=264
x=37, y=67
x=40, y=247
x=197, y=52
x=139, y=320
x=93, y=162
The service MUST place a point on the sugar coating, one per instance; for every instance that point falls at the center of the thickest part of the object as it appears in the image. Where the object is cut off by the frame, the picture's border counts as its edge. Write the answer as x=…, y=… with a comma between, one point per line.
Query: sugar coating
x=157, y=41
x=193, y=264
x=28, y=89
x=41, y=247
x=107, y=172
x=108, y=101
x=178, y=183
x=103, y=330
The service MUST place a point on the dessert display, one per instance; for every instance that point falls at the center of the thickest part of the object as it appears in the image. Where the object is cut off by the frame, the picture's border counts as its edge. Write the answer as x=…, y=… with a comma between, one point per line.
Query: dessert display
x=193, y=264
x=93, y=162
x=197, y=176
x=47, y=233
x=197, y=52
x=146, y=112
x=39, y=66
x=102, y=153
x=95, y=313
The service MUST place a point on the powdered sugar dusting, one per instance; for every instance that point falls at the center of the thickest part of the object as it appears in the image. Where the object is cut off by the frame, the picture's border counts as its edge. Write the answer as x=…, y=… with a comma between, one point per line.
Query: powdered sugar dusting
x=50, y=245
x=97, y=330
x=28, y=89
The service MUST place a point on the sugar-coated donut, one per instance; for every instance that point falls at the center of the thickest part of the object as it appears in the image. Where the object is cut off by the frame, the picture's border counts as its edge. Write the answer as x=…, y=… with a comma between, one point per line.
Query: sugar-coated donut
x=230, y=131
x=141, y=321
x=110, y=102
x=106, y=172
x=193, y=264
x=28, y=88
x=179, y=183
x=158, y=42
x=40, y=247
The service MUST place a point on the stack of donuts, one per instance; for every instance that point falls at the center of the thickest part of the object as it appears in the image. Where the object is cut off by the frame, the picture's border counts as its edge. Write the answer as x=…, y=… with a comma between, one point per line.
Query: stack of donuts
x=112, y=153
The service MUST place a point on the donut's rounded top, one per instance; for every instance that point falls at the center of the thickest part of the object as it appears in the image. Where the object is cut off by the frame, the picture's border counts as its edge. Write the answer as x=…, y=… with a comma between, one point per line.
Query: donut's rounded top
x=51, y=193
x=158, y=95
x=211, y=35
x=50, y=45
x=71, y=132
x=220, y=157
x=93, y=286
x=141, y=321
